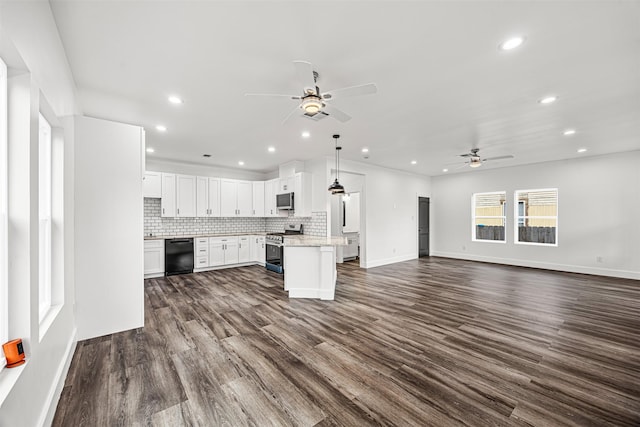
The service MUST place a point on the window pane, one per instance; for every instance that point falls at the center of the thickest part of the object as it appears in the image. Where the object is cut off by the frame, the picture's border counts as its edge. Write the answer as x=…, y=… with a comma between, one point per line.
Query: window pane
x=44, y=203
x=537, y=216
x=489, y=216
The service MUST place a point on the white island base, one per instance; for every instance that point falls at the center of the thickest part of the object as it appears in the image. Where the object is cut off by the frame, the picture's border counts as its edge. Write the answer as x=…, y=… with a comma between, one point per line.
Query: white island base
x=310, y=271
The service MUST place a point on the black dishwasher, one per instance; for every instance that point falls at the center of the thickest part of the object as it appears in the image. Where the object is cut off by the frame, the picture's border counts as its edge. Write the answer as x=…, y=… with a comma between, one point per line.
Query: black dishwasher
x=178, y=256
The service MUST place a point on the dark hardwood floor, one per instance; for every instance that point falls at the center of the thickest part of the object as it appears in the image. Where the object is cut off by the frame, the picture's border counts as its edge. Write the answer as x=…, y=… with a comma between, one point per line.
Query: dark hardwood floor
x=433, y=341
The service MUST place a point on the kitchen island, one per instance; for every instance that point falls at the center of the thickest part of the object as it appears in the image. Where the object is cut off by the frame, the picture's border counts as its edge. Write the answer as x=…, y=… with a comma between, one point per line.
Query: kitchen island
x=310, y=266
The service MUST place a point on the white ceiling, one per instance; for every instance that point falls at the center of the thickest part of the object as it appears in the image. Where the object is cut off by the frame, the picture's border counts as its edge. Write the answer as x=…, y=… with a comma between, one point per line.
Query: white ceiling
x=443, y=84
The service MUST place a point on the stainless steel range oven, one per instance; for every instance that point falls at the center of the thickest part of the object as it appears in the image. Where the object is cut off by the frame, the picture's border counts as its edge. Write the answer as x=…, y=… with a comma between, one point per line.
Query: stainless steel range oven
x=275, y=247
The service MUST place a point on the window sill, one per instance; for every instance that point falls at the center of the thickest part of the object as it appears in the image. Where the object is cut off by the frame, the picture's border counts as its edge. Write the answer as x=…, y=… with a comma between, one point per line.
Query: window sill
x=48, y=319
x=8, y=378
x=488, y=241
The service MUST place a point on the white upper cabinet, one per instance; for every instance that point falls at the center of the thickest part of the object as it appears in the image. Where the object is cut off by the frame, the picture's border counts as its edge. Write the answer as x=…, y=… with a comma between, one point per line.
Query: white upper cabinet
x=152, y=185
x=245, y=198
x=168, y=201
x=185, y=196
x=258, y=199
x=228, y=197
x=271, y=188
x=236, y=198
x=207, y=196
x=286, y=185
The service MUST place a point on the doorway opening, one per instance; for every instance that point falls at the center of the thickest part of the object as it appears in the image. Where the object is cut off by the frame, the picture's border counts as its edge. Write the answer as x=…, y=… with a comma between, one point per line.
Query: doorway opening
x=423, y=226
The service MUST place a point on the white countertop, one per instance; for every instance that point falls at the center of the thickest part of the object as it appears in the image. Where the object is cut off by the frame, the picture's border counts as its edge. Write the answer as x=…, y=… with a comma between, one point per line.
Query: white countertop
x=194, y=236
x=292, y=241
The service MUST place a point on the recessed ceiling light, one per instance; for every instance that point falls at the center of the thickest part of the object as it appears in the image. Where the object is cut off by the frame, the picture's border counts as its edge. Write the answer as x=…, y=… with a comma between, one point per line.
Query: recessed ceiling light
x=306, y=134
x=271, y=149
x=569, y=132
x=150, y=150
x=241, y=163
x=365, y=150
x=413, y=162
x=206, y=155
x=548, y=99
x=582, y=150
x=511, y=43
x=175, y=100
x=445, y=170
x=161, y=128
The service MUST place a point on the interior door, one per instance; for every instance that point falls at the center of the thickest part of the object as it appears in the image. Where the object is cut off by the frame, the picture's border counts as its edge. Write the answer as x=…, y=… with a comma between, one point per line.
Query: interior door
x=423, y=226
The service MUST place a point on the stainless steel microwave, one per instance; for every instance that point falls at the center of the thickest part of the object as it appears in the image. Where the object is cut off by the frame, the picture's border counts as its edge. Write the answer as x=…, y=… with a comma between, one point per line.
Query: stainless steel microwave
x=284, y=201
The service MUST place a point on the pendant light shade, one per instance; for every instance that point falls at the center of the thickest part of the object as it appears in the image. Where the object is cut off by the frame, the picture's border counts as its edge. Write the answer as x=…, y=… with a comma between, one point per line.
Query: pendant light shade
x=335, y=187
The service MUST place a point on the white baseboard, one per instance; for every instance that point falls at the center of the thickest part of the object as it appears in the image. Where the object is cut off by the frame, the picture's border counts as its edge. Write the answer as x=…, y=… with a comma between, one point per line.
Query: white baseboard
x=305, y=293
x=379, y=262
x=51, y=403
x=623, y=274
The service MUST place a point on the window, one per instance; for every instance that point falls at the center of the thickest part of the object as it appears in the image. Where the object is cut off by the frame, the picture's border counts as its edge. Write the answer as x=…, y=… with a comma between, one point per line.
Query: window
x=489, y=218
x=537, y=216
x=44, y=203
x=4, y=295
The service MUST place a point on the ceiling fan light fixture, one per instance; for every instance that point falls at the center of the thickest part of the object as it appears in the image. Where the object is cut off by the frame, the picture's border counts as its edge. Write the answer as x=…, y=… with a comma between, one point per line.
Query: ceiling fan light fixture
x=474, y=163
x=311, y=104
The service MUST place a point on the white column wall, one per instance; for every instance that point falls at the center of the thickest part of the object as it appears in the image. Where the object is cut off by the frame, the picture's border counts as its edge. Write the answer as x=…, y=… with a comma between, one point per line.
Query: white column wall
x=598, y=211
x=108, y=227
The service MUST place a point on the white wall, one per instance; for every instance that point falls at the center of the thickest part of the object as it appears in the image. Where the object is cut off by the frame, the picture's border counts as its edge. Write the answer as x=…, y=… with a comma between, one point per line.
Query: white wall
x=108, y=227
x=389, y=203
x=203, y=170
x=599, y=208
x=30, y=45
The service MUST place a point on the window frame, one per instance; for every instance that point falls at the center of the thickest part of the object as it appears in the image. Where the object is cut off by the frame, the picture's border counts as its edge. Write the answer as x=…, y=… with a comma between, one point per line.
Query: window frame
x=4, y=210
x=45, y=244
x=474, y=217
x=517, y=217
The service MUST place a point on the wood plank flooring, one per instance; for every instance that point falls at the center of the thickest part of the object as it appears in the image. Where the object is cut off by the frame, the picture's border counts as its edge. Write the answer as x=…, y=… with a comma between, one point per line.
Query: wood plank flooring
x=429, y=342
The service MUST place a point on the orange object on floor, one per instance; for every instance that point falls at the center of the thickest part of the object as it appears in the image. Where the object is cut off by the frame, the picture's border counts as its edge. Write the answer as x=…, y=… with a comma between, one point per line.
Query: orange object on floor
x=14, y=352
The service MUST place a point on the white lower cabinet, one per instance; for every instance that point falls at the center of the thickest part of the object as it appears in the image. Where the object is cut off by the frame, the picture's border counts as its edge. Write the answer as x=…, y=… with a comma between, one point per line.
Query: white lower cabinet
x=201, y=255
x=223, y=251
x=258, y=253
x=154, y=258
x=244, y=249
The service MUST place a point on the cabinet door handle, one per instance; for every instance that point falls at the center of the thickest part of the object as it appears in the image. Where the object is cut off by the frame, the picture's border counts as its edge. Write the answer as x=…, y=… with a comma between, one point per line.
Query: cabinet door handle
x=162, y=211
x=178, y=211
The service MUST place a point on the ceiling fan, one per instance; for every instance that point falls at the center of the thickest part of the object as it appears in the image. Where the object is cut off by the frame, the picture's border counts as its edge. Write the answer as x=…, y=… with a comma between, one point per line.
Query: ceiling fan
x=475, y=160
x=315, y=104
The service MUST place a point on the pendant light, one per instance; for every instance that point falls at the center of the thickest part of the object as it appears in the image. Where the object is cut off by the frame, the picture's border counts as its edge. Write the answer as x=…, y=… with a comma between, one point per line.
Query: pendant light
x=336, y=188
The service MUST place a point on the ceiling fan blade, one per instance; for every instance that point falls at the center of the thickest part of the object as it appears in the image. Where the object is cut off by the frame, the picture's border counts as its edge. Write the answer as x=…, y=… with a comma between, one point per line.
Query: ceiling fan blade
x=336, y=114
x=468, y=155
x=274, y=95
x=366, y=89
x=291, y=114
x=498, y=158
x=304, y=70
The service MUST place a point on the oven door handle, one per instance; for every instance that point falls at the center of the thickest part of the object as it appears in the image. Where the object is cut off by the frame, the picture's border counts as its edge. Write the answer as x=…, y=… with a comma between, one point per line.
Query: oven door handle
x=277, y=245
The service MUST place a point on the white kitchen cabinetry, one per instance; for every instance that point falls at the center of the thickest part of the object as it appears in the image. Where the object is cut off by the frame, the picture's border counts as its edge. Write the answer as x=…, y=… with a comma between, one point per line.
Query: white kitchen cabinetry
x=152, y=185
x=201, y=256
x=185, y=196
x=286, y=185
x=236, y=198
x=258, y=253
x=223, y=251
x=207, y=197
x=244, y=249
x=258, y=199
x=271, y=188
x=154, y=258
x=168, y=201
x=302, y=194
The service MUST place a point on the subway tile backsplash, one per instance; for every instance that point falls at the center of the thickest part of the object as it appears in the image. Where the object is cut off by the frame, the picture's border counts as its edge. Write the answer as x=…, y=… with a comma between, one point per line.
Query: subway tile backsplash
x=156, y=225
